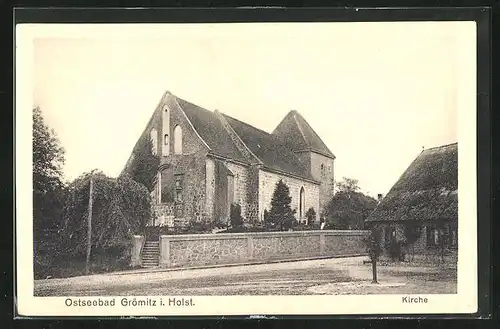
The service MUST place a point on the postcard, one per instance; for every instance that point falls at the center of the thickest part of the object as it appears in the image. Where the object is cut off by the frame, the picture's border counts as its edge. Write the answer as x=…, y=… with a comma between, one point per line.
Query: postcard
x=246, y=169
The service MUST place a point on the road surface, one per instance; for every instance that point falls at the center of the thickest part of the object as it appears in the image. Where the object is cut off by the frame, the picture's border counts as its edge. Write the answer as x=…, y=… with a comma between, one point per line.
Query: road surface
x=325, y=276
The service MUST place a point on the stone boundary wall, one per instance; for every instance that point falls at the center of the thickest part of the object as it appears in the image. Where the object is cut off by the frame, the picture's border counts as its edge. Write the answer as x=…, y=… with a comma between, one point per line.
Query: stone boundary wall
x=236, y=248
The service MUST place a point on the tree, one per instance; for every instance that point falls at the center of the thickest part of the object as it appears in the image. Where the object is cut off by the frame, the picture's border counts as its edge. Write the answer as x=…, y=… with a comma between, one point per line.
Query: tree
x=48, y=185
x=310, y=215
x=121, y=207
x=145, y=164
x=281, y=214
x=348, y=185
x=374, y=249
x=349, y=208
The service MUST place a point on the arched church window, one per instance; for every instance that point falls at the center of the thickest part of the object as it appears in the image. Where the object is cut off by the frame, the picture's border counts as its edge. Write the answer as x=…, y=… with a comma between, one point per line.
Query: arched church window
x=178, y=140
x=302, y=202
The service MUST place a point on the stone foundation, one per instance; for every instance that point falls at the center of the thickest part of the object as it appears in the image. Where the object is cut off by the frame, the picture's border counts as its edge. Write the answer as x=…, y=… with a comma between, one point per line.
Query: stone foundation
x=235, y=248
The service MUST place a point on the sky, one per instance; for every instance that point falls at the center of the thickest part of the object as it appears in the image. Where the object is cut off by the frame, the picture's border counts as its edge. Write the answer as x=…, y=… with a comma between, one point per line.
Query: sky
x=376, y=93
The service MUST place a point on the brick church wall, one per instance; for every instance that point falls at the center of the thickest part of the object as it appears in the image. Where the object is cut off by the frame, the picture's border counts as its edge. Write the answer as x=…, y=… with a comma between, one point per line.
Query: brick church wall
x=252, y=207
x=240, y=185
x=267, y=184
x=326, y=177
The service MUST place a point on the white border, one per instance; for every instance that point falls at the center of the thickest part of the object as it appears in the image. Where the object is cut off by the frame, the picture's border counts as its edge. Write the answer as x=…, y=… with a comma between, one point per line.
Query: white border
x=465, y=301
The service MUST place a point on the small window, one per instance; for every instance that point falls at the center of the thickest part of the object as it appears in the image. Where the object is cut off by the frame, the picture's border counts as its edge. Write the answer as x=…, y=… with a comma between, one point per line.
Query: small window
x=434, y=236
x=165, y=139
x=178, y=187
x=329, y=169
x=322, y=169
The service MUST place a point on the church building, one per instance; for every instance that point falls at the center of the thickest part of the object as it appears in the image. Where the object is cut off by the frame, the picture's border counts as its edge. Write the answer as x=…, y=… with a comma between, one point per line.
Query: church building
x=209, y=160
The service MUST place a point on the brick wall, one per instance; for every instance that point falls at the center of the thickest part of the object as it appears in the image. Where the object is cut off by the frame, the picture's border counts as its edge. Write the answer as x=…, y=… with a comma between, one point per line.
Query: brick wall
x=240, y=185
x=326, y=178
x=252, y=209
x=267, y=184
x=210, y=187
x=234, y=248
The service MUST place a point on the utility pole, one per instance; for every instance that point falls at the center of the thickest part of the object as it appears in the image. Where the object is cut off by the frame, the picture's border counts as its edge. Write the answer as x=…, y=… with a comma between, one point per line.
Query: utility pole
x=89, y=222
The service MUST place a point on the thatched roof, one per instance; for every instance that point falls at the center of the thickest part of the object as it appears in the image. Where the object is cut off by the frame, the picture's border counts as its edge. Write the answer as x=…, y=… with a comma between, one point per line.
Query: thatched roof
x=427, y=190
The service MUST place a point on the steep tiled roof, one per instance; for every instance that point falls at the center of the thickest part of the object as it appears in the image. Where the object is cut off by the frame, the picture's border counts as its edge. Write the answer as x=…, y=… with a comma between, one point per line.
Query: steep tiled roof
x=270, y=150
x=298, y=135
x=211, y=130
x=427, y=190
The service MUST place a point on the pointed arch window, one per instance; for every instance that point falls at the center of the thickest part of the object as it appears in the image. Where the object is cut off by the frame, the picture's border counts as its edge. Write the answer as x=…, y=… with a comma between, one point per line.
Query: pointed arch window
x=302, y=202
x=178, y=140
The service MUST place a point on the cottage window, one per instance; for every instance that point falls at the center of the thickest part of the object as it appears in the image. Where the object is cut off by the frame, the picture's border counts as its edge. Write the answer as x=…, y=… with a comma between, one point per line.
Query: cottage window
x=453, y=240
x=434, y=236
x=178, y=140
x=390, y=235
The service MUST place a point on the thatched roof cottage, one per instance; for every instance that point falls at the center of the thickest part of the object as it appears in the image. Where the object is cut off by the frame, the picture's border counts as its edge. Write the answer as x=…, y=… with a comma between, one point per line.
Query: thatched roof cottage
x=425, y=200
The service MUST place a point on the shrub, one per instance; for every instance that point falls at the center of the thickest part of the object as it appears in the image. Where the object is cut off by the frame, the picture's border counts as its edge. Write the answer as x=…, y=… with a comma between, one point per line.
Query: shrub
x=235, y=216
x=311, y=215
x=281, y=214
x=372, y=243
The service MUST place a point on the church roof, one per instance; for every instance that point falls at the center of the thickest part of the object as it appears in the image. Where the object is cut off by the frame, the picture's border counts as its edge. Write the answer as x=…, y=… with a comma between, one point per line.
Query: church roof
x=269, y=149
x=211, y=130
x=427, y=190
x=299, y=135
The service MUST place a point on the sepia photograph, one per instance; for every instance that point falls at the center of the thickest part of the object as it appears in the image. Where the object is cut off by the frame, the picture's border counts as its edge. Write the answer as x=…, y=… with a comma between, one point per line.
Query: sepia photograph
x=220, y=168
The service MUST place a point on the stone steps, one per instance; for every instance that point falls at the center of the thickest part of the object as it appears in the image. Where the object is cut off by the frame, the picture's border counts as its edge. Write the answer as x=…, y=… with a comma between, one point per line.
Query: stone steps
x=150, y=254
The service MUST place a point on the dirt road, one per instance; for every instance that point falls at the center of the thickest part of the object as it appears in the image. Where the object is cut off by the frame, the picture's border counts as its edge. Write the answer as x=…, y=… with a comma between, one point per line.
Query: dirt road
x=325, y=276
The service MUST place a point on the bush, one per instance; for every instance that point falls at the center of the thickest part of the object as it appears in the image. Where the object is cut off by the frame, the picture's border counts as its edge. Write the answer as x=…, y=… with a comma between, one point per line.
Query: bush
x=235, y=215
x=311, y=215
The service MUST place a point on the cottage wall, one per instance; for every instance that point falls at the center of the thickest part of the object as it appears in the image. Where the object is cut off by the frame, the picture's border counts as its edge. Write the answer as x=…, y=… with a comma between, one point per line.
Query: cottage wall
x=267, y=184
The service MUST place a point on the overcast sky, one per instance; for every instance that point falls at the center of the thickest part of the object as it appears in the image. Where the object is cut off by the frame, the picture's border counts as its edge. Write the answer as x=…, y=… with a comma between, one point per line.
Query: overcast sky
x=376, y=93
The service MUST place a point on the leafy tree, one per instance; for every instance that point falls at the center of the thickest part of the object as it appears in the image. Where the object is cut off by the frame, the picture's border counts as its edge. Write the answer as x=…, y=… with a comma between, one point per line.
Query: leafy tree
x=121, y=208
x=311, y=215
x=281, y=214
x=374, y=249
x=48, y=185
x=348, y=185
x=349, y=208
x=235, y=216
x=144, y=164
